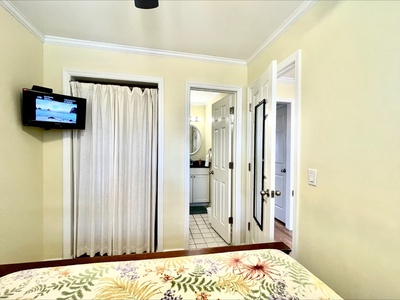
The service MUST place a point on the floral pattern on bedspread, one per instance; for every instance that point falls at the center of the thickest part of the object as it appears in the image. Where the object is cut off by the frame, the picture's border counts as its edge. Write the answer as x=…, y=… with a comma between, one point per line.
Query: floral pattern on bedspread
x=257, y=274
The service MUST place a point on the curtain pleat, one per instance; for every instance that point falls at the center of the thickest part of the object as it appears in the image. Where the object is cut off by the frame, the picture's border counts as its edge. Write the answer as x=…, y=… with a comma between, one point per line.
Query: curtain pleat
x=115, y=170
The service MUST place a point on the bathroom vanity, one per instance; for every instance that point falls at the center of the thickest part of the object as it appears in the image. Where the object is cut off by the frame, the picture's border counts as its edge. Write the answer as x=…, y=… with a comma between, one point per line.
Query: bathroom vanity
x=199, y=185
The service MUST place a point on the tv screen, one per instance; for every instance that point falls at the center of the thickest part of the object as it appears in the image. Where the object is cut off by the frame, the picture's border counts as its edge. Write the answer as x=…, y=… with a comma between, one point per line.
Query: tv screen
x=52, y=111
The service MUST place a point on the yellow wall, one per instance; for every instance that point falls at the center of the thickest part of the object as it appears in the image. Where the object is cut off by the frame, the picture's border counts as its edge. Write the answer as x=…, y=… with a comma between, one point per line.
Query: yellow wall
x=175, y=72
x=21, y=163
x=285, y=90
x=349, y=225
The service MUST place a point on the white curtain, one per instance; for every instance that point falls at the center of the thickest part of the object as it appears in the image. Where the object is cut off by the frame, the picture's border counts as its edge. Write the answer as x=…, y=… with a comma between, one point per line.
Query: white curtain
x=115, y=170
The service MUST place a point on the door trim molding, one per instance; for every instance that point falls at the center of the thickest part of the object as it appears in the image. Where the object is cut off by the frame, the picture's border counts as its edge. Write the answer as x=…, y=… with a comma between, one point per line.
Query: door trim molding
x=67, y=164
x=237, y=212
x=290, y=61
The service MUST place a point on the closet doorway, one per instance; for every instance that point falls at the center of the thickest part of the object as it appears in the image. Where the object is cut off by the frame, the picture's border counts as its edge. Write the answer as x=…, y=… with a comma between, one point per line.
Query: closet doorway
x=68, y=215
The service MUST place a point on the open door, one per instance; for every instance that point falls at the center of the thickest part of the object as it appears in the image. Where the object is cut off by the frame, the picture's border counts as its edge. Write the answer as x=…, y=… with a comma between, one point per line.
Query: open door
x=221, y=173
x=263, y=95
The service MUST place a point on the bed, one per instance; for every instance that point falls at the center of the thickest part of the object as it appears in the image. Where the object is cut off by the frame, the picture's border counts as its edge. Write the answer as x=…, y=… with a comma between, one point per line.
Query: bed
x=261, y=271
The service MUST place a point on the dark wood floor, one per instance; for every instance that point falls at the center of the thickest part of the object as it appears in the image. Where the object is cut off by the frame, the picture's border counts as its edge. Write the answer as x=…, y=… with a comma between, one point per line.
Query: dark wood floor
x=282, y=234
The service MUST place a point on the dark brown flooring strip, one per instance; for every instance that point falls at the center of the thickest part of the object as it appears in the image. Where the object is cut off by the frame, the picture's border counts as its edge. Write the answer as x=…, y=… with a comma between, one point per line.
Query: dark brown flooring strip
x=282, y=234
x=9, y=268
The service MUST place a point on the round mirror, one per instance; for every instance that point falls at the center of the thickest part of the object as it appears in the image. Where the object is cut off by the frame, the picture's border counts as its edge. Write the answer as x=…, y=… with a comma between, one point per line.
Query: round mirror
x=194, y=139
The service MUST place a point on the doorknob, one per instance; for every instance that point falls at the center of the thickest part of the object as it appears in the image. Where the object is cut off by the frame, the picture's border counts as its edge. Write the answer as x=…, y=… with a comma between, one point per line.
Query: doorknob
x=265, y=193
x=283, y=170
x=277, y=193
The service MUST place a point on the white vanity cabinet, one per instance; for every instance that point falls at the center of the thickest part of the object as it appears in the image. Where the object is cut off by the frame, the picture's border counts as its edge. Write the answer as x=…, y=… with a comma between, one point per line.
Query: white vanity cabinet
x=199, y=185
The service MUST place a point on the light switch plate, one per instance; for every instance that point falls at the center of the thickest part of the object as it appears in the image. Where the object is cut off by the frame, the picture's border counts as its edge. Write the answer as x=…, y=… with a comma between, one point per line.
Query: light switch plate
x=312, y=177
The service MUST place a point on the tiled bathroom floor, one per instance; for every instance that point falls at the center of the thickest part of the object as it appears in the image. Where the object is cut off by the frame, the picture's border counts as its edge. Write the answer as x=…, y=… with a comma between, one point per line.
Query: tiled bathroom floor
x=201, y=233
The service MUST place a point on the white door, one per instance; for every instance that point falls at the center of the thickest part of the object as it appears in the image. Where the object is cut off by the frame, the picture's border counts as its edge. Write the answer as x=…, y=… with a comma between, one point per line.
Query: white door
x=220, y=176
x=280, y=163
x=264, y=193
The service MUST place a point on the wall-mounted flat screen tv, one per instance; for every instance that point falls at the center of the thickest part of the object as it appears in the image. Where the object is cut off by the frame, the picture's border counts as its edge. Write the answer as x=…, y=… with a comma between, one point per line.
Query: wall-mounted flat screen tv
x=52, y=111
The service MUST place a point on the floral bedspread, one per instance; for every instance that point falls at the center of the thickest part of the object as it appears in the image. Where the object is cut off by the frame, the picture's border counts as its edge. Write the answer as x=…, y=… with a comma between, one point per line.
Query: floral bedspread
x=257, y=274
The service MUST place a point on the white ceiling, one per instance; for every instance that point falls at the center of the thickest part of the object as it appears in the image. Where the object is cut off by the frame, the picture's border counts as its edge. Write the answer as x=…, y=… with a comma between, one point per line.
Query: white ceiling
x=233, y=30
x=202, y=97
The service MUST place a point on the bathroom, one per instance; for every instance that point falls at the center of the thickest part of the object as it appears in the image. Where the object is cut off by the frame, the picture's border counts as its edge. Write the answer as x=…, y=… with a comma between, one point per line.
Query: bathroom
x=202, y=234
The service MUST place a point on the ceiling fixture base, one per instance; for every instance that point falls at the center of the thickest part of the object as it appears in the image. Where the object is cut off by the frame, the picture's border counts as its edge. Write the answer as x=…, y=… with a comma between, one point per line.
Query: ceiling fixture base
x=146, y=4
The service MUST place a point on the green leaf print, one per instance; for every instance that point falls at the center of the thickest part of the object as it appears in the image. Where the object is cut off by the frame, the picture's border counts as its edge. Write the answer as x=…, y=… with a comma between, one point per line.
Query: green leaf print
x=72, y=287
x=194, y=284
x=198, y=271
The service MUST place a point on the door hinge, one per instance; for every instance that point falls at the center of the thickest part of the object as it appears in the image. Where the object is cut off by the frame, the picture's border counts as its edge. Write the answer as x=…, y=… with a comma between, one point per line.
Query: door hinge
x=248, y=226
x=292, y=193
x=249, y=167
x=230, y=220
x=249, y=107
x=232, y=110
x=231, y=165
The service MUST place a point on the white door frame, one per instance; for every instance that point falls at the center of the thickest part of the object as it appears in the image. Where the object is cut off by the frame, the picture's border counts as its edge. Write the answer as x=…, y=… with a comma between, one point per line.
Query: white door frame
x=293, y=60
x=237, y=213
x=68, y=224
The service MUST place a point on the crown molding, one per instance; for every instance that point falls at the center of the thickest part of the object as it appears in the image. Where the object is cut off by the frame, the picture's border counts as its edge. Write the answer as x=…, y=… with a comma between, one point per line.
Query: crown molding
x=22, y=19
x=54, y=40
x=303, y=8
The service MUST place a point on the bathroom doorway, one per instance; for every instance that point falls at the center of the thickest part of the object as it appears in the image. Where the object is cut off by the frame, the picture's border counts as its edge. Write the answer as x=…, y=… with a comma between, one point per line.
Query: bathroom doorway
x=200, y=183
x=201, y=232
